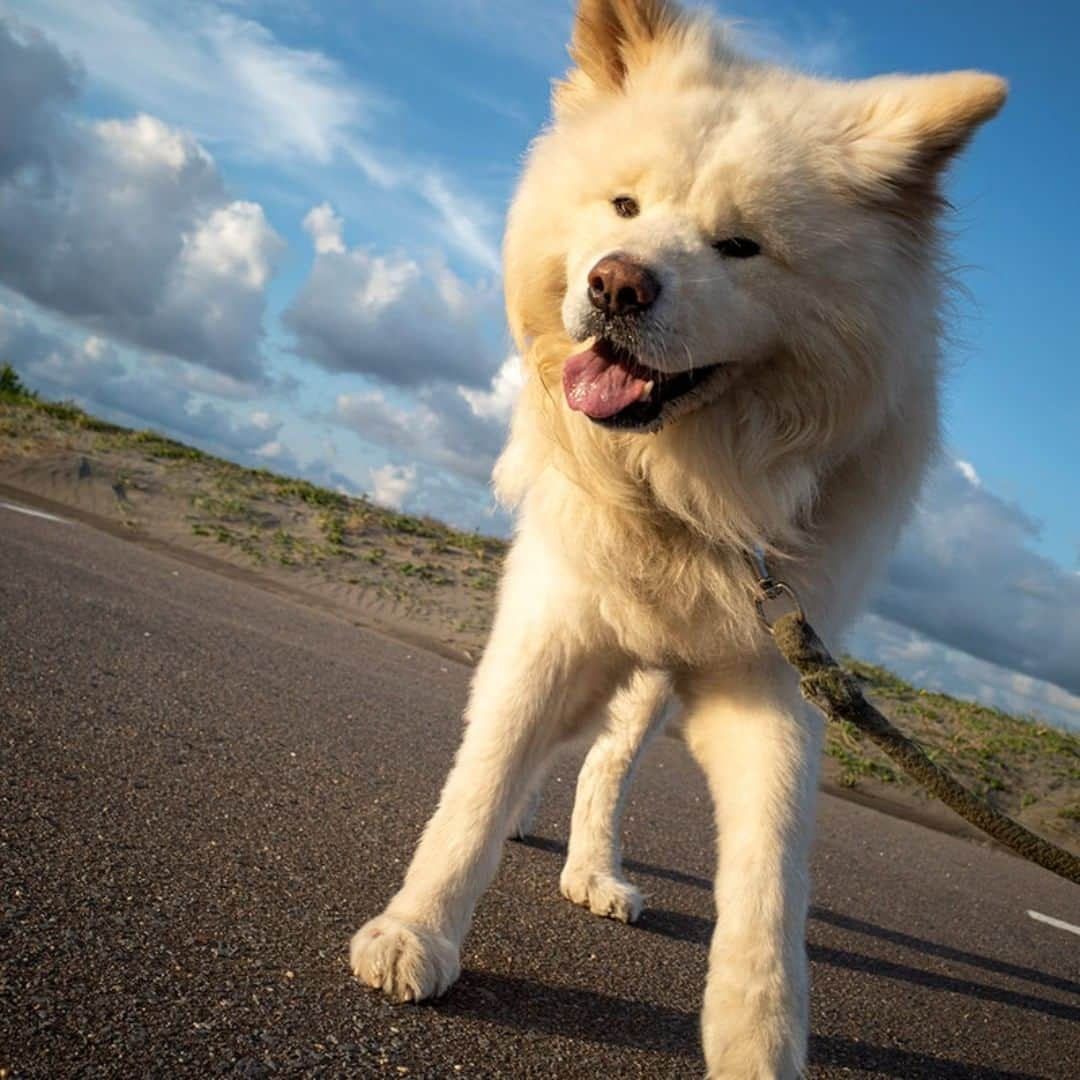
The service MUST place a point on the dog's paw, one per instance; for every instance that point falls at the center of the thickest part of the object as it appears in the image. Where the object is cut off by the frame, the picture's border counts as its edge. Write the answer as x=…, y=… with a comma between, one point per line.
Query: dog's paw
x=602, y=893
x=750, y=1055
x=405, y=962
x=755, y=1025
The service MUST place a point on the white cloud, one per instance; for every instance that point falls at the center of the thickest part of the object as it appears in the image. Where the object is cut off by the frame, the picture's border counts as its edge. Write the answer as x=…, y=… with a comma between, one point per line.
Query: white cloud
x=264, y=421
x=450, y=435
x=933, y=666
x=967, y=471
x=298, y=99
x=391, y=484
x=71, y=366
x=235, y=85
x=437, y=428
x=201, y=380
x=387, y=315
x=233, y=244
x=271, y=450
x=451, y=438
x=226, y=78
x=65, y=366
x=284, y=460
x=465, y=223
x=497, y=402
x=966, y=574
x=95, y=347
x=326, y=229
x=125, y=226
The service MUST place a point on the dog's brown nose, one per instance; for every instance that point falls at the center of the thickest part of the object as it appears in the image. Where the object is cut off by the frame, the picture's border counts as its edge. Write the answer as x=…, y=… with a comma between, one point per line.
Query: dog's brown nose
x=620, y=286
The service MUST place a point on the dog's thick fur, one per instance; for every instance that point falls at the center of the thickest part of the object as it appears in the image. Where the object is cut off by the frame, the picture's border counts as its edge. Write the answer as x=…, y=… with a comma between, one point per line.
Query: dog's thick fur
x=810, y=435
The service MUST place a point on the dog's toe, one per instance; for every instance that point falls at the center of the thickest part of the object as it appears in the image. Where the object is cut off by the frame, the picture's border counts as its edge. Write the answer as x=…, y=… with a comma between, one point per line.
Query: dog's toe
x=406, y=962
x=603, y=894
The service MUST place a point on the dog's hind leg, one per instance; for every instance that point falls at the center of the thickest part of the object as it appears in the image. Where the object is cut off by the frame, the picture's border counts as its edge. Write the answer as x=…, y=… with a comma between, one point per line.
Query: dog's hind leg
x=548, y=669
x=592, y=876
x=759, y=745
x=521, y=821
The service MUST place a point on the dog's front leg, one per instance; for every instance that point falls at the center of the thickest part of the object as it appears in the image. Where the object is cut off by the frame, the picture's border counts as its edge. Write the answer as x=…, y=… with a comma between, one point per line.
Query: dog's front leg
x=759, y=745
x=546, y=669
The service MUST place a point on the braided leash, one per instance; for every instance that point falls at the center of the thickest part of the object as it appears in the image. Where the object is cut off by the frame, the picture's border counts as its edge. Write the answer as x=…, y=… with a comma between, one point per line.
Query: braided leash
x=837, y=694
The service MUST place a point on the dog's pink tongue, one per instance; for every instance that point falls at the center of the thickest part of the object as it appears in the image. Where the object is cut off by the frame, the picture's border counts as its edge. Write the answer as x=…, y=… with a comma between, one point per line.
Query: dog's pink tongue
x=598, y=386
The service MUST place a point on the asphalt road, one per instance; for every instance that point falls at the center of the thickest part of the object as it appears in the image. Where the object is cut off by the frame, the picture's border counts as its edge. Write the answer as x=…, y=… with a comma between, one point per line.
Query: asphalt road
x=207, y=787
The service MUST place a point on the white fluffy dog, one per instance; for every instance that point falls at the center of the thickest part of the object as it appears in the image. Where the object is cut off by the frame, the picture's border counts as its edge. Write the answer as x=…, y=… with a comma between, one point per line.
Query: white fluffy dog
x=727, y=283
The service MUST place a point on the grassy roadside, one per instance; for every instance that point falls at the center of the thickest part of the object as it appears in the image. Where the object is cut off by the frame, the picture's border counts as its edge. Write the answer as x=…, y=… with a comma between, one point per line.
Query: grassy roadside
x=1025, y=767
x=443, y=580
x=408, y=567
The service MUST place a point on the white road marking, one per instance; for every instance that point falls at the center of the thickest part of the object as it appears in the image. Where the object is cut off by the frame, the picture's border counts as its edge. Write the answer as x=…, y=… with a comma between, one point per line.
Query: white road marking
x=34, y=513
x=1061, y=924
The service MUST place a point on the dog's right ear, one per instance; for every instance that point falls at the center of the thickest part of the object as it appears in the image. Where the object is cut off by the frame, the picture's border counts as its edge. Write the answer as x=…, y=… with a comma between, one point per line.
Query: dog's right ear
x=611, y=38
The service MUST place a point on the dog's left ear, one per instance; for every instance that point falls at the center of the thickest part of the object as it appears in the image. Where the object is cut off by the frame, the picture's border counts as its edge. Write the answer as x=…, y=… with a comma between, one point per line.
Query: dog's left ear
x=610, y=38
x=900, y=132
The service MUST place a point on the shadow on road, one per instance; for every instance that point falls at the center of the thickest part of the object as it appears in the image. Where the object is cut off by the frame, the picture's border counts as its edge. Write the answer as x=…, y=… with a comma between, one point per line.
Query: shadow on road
x=694, y=929
x=526, y=1005
x=945, y=952
x=682, y=927
x=558, y=1010
x=700, y=933
x=891, y=1061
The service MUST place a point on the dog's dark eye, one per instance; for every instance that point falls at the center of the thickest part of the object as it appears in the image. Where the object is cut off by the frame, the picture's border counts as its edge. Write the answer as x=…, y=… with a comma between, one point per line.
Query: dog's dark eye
x=625, y=206
x=738, y=247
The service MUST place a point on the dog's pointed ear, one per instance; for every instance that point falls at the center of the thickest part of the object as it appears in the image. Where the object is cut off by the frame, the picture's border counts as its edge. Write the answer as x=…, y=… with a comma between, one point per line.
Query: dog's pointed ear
x=610, y=37
x=904, y=130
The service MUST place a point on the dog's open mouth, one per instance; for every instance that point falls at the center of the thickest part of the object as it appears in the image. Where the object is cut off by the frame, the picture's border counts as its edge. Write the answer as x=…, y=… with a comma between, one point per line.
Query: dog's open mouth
x=611, y=387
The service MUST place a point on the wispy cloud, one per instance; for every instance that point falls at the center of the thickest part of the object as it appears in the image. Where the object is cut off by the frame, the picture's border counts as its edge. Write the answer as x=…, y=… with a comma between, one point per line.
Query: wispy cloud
x=243, y=92
x=222, y=77
x=536, y=31
x=819, y=46
x=467, y=225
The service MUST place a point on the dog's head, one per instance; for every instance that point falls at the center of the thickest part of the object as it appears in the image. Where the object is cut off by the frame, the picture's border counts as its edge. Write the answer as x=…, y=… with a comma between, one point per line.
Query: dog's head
x=691, y=217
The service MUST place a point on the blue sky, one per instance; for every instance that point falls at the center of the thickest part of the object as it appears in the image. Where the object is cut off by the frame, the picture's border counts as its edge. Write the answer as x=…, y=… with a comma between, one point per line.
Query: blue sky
x=406, y=123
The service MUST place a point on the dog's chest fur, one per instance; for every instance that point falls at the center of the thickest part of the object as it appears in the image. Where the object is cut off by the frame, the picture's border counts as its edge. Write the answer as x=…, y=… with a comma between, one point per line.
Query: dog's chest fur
x=667, y=595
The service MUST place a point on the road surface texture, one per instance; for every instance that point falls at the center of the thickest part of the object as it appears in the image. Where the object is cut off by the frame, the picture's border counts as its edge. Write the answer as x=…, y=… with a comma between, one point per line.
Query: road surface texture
x=207, y=788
